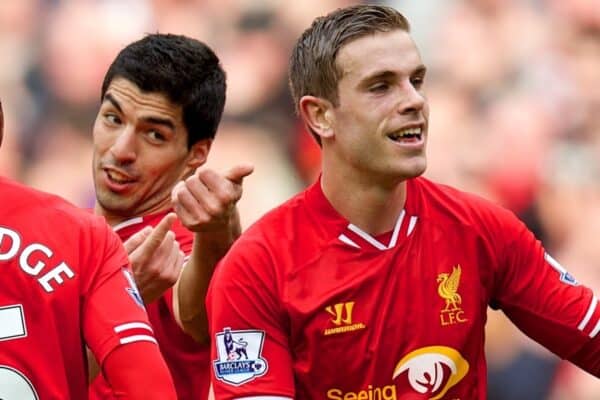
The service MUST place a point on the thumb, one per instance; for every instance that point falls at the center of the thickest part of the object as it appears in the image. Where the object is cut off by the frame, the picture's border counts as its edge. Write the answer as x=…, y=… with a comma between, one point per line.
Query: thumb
x=239, y=172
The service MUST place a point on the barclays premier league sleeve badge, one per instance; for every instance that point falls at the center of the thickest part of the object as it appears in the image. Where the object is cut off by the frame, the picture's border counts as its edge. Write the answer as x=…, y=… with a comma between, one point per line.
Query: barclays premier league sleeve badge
x=239, y=355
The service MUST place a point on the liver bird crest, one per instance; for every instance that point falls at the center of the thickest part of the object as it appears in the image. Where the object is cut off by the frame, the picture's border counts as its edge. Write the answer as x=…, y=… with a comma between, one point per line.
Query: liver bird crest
x=448, y=287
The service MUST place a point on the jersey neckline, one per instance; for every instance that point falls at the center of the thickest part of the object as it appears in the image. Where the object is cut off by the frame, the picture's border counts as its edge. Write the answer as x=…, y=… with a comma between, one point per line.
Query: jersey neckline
x=141, y=219
x=351, y=235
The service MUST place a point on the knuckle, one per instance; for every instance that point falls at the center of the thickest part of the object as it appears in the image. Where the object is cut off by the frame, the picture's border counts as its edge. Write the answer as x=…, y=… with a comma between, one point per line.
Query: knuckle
x=215, y=209
x=226, y=196
x=153, y=269
x=169, y=278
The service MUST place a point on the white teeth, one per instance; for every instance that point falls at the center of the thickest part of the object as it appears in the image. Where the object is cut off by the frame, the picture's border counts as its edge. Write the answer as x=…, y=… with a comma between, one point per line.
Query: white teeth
x=117, y=177
x=408, y=132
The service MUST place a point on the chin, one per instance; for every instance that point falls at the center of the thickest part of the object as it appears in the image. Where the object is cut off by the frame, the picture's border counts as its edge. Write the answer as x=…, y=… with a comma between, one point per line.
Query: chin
x=416, y=169
x=110, y=201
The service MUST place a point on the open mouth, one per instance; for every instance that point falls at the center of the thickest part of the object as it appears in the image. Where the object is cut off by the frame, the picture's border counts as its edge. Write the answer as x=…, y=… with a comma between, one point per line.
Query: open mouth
x=118, y=177
x=409, y=135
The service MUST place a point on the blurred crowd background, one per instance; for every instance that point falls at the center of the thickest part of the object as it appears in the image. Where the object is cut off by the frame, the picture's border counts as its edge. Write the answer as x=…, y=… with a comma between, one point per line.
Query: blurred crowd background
x=514, y=87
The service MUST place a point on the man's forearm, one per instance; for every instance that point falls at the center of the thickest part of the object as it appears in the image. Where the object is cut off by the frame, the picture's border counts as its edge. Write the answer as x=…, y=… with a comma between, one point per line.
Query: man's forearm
x=189, y=304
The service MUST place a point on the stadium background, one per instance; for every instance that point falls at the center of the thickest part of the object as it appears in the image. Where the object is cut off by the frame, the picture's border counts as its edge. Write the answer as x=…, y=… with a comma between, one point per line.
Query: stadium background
x=515, y=100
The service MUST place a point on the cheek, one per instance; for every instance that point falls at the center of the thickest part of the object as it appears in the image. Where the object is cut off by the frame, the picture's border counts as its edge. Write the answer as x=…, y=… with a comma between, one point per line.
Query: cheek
x=426, y=109
x=158, y=168
x=100, y=138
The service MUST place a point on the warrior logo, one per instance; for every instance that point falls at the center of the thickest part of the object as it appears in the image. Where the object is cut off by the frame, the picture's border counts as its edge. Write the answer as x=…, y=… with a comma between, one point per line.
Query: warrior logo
x=239, y=355
x=342, y=319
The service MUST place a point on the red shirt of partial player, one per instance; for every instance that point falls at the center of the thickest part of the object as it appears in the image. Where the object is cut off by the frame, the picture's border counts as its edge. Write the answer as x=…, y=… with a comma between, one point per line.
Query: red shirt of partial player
x=307, y=306
x=188, y=361
x=65, y=284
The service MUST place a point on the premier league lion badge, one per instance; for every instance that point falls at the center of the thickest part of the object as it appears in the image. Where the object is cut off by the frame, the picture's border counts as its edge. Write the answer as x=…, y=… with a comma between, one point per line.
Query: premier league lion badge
x=239, y=355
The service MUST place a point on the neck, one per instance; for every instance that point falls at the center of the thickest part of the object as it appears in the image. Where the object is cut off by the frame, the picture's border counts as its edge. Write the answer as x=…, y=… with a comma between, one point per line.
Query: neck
x=114, y=218
x=372, y=206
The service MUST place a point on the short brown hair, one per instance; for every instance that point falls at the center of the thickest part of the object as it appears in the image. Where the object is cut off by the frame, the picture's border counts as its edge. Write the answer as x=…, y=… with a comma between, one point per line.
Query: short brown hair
x=313, y=68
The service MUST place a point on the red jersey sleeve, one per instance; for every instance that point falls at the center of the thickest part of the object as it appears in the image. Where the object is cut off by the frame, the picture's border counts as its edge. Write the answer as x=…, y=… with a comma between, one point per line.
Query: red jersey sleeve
x=113, y=311
x=250, y=348
x=543, y=299
x=131, y=382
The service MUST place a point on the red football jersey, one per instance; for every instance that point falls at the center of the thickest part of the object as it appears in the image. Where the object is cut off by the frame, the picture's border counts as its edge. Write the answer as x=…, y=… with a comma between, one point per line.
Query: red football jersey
x=308, y=306
x=64, y=284
x=188, y=361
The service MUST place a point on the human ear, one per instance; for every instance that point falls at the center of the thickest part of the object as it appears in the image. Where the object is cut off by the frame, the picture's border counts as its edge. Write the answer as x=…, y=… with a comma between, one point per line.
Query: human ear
x=198, y=153
x=317, y=115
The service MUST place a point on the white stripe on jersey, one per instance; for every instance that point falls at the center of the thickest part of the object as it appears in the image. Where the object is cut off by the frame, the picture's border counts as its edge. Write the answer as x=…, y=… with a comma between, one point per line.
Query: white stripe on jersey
x=127, y=223
x=411, y=224
x=394, y=238
x=376, y=243
x=348, y=241
x=138, y=338
x=135, y=335
x=594, y=331
x=132, y=325
x=588, y=314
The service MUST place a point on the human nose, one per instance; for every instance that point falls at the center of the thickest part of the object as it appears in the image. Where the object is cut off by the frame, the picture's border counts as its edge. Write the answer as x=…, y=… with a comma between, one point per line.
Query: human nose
x=124, y=147
x=413, y=100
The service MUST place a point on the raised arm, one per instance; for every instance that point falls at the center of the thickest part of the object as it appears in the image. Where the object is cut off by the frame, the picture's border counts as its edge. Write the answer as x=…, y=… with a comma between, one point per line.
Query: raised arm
x=205, y=204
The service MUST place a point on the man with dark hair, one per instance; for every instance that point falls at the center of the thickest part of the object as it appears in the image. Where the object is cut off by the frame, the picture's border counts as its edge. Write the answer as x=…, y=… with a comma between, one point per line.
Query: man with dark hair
x=162, y=101
x=374, y=282
x=65, y=284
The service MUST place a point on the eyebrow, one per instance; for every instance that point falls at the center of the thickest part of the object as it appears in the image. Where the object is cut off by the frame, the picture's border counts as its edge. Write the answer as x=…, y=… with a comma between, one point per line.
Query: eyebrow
x=113, y=101
x=151, y=120
x=160, y=121
x=420, y=70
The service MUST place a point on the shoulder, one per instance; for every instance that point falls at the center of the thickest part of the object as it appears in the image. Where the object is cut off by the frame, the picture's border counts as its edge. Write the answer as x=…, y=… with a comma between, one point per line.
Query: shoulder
x=259, y=250
x=67, y=234
x=446, y=204
x=48, y=208
x=275, y=223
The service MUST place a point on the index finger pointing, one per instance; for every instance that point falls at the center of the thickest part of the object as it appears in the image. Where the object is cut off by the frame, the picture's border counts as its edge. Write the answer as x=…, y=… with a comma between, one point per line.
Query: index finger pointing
x=158, y=233
x=137, y=239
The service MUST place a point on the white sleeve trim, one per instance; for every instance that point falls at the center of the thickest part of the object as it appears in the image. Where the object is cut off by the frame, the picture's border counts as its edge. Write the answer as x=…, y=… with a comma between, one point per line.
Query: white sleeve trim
x=588, y=314
x=138, y=338
x=132, y=325
x=595, y=331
